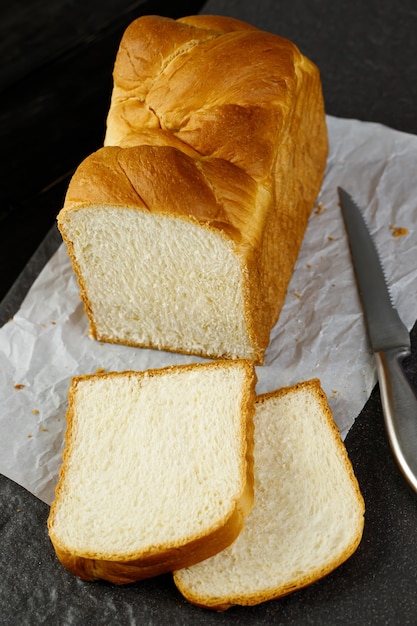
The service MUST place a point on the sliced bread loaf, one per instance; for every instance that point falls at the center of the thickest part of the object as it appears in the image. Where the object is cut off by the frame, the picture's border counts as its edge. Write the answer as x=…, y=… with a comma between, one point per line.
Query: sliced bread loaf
x=308, y=514
x=157, y=471
x=184, y=229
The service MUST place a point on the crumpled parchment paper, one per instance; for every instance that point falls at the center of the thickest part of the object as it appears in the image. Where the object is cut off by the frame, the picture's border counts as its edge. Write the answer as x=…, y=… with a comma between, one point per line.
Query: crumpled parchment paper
x=320, y=333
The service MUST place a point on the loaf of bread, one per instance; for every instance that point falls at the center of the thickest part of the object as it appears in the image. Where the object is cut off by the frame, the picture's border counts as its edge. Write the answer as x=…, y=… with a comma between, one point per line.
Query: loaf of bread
x=308, y=514
x=157, y=470
x=185, y=227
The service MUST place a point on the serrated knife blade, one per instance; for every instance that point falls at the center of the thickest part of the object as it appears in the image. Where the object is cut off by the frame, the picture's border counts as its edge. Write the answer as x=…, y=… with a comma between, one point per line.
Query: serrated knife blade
x=389, y=339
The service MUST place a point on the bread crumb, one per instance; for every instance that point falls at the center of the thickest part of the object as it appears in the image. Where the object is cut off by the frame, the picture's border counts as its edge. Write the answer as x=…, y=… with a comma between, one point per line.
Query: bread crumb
x=19, y=386
x=18, y=510
x=297, y=295
x=29, y=436
x=35, y=412
x=100, y=370
x=398, y=231
x=319, y=208
x=330, y=238
x=43, y=429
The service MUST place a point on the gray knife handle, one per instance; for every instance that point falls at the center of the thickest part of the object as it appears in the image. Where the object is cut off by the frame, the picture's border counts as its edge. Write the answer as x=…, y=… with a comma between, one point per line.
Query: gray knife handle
x=399, y=404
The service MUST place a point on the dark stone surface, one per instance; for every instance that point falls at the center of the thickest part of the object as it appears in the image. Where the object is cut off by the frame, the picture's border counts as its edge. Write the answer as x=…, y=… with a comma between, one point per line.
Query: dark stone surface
x=377, y=585
x=59, y=58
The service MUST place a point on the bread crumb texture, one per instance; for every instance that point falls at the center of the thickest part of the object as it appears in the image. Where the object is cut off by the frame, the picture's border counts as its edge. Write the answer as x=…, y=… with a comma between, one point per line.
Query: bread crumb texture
x=308, y=512
x=153, y=462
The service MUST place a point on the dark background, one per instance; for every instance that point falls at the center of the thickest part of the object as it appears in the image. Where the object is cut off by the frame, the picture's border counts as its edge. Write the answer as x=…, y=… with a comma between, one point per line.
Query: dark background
x=55, y=85
x=56, y=61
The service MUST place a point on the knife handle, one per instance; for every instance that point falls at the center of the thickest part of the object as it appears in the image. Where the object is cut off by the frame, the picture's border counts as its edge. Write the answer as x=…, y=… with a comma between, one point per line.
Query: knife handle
x=399, y=405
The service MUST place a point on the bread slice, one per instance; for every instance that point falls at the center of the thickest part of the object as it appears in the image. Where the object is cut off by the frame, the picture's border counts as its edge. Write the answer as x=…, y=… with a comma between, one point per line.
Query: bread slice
x=308, y=514
x=157, y=470
x=185, y=228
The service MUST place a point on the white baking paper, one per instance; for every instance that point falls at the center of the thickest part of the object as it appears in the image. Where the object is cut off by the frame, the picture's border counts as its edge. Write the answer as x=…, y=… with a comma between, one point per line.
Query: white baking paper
x=320, y=332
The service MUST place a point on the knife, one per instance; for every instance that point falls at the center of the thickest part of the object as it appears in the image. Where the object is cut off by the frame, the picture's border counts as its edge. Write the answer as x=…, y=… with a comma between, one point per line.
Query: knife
x=389, y=339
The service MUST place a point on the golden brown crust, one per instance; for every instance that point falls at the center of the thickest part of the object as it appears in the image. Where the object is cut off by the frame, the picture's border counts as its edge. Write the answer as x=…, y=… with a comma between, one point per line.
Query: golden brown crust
x=162, y=561
x=122, y=569
x=242, y=151
x=216, y=23
x=213, y=192
x=237, y=114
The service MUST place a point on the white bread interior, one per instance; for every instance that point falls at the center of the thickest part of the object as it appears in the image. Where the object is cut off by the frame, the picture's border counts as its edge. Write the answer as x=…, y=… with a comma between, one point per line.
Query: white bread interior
x=157, y=469
x=308, y=513
x=185, y=228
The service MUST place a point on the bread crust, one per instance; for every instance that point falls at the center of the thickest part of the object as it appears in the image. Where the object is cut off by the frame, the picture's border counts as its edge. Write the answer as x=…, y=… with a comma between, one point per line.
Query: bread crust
x=160, y=559
x=188, y=141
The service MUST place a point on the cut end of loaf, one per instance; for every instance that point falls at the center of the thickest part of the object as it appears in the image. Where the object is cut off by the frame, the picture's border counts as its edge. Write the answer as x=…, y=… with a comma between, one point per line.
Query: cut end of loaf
x=157, y=469
x=151, y=280
x=308, y=514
